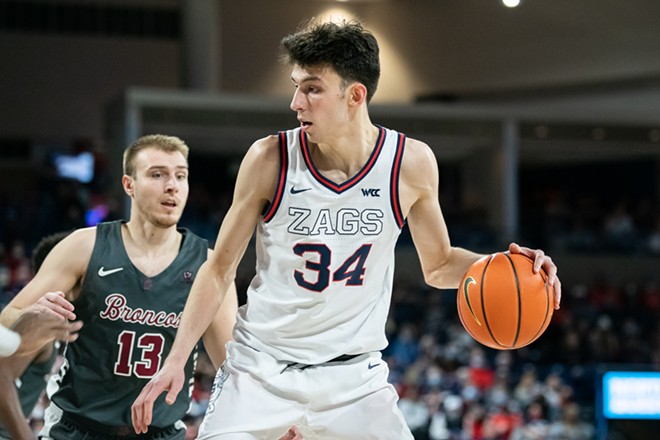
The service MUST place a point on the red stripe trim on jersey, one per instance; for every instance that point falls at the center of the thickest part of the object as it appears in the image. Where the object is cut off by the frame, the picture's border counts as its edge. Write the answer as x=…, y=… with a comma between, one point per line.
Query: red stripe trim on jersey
x=394, y=181
x=339, y=188
x=281, y=179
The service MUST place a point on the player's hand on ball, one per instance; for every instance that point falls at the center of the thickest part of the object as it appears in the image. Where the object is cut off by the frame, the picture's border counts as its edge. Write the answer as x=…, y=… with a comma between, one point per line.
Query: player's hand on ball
x=542, y=261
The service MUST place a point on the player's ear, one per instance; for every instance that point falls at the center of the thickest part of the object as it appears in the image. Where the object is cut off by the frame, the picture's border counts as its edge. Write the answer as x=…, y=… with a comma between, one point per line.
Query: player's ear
x=127, y=183
x=357, y=93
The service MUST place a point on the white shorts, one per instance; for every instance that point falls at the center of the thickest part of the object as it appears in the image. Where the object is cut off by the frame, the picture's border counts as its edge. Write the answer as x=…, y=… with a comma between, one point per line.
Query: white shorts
x=258, y=397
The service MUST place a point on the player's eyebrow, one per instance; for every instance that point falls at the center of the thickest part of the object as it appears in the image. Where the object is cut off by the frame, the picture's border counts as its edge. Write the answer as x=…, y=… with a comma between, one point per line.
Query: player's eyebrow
x=164, y=167
x=306, y=78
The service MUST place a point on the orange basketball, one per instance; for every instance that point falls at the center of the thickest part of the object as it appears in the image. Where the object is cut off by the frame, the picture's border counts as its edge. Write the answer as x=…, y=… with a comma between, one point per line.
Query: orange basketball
x=502, y=303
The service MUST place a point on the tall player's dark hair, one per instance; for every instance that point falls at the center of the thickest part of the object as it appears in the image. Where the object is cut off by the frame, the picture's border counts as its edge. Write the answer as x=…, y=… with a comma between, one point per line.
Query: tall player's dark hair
x=347, y=47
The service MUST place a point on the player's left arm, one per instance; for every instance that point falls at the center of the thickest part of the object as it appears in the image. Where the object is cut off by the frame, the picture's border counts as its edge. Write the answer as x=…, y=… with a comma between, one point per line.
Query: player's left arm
x=11, y=412
x=443, y=265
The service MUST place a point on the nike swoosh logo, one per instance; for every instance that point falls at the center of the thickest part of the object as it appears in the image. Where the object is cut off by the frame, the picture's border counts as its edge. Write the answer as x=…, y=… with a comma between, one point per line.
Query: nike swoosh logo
x=370, y=366
x=297, y=191
x=466, y=284
x=103, y=272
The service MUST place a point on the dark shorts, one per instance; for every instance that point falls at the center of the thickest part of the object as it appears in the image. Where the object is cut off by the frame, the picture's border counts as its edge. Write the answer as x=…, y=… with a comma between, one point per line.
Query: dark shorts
x=75, y=428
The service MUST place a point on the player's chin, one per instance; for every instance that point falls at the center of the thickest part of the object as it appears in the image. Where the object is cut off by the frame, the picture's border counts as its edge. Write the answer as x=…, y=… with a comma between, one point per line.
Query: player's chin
x=167, y=221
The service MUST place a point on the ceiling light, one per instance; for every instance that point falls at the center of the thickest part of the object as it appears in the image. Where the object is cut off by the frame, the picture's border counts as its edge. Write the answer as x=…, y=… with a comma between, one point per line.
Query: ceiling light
x=511, y=3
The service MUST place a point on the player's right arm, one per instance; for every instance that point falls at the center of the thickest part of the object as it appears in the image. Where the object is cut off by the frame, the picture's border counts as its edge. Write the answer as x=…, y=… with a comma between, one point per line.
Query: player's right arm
x=255, y=186
x=62, y=271
x=219, y=331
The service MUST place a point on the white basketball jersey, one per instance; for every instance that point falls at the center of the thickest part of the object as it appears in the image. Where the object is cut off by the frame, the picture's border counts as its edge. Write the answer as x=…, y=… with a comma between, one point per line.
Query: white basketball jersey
x=325, y=257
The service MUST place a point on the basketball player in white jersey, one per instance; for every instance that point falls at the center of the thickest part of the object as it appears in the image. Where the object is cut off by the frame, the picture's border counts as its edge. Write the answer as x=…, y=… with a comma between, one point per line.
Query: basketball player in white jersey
x=328, y=200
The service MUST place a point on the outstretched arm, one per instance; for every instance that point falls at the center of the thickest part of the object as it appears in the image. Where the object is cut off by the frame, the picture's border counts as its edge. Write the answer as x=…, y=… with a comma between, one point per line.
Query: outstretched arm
x=254, y=186
x=443, y=265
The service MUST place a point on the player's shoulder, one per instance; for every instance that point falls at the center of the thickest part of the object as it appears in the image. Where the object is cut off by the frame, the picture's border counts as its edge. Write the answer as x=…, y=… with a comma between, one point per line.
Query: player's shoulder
x=417, y=155
x=416, y=146
x=73, y=251
x=266, y=148
x=263, y=158
x=83, y=237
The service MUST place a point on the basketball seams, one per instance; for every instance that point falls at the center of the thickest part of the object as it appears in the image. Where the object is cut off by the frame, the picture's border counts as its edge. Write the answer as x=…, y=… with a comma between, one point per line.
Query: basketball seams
x=520, y=311
x=483, y=302
x=545, y=322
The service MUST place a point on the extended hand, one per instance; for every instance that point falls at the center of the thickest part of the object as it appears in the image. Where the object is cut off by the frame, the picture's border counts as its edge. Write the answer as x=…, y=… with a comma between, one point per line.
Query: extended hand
x=57, y=304
x=38, y=326
x=541, y=260
x=170, y=378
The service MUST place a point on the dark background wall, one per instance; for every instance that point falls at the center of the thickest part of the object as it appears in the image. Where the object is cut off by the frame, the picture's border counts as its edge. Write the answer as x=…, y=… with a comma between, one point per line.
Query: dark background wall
x=56, y=78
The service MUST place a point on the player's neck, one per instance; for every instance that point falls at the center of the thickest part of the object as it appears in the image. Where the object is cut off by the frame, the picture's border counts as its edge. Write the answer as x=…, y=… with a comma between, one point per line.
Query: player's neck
x=147, y=236
x=346, y=153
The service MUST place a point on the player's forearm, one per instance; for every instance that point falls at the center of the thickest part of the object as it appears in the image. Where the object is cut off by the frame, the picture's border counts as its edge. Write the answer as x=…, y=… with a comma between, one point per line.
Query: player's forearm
x=447, y=273
x=9, y=315
x=11, y=414
x=206, y=295
x=220, y=330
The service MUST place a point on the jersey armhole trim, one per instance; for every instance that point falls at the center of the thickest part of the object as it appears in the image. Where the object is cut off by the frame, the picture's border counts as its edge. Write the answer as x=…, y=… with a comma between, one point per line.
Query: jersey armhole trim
x=394, y=181
x=281, y=179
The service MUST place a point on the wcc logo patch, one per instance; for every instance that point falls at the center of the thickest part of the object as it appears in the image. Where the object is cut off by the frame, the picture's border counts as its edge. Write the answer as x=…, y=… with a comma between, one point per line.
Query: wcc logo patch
x=371, y=192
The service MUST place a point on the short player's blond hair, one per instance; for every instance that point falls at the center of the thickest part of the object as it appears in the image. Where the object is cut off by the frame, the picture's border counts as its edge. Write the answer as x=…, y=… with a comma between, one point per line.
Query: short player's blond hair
x=161, y=142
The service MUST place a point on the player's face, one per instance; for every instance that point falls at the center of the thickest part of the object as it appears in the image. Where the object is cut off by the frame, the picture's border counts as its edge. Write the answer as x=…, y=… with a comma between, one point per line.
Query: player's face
x=160, y=187
x=320, y=102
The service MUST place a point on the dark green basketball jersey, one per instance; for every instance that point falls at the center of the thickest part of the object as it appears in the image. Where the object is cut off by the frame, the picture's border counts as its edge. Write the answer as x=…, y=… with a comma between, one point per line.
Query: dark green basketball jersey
x=31, y=384
x=130, y=321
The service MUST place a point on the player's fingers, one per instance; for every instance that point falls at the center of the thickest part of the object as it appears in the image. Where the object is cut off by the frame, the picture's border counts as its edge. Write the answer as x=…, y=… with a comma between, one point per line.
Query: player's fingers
x=63, y=329
x=557, y=291
x=537, y=255
x=170, y=397
x=541, y=260
x=174, y=389
x=61, y=305
x=514, y=248
x=141, y=410
x=56, y=303
x=72, y=331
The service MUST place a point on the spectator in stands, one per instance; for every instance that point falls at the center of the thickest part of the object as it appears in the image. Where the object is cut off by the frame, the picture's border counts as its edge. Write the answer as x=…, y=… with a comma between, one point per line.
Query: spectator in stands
x=536, y=423
x=570, y=427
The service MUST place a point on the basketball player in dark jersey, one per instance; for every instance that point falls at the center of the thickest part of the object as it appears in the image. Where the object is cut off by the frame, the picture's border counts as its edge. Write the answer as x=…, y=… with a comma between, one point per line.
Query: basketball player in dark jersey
x=128, y=281
x=23, y=378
